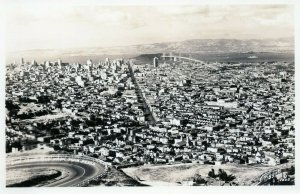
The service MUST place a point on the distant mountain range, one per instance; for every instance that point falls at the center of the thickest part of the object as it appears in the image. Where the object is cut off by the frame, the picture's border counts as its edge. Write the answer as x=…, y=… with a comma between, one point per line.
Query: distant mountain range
x=216, y=45
x=188, y=46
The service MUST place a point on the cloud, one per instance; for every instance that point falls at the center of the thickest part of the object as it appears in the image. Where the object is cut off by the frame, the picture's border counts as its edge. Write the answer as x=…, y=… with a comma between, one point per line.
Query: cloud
x=40, y=26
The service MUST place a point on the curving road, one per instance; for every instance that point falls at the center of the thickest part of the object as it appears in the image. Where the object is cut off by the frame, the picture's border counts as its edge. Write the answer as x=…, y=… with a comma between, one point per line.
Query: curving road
x=76, y=172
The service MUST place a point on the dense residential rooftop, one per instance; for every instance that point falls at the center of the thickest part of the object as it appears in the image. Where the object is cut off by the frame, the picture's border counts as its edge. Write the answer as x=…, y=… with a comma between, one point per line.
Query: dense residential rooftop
x=168, y=112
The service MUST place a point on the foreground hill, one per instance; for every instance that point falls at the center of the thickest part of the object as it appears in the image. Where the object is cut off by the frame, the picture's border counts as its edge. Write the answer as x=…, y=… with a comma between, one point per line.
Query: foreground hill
x=176, y=174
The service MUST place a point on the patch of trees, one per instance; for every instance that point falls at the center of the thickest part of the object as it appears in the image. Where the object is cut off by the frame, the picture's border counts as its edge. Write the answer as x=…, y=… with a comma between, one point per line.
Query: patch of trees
x=56, y=147
x=291, y=171
x=222, y=175
x=9, y=146
x=29, y=115
x=96, y=121
x=87, y=142
x=25, y=99
x=44, y=99
x=75, y=123
x=58, y=104
x=12, y=108
x=36, y=180
x=54, y=131
x=138, y=163
x=199, y=180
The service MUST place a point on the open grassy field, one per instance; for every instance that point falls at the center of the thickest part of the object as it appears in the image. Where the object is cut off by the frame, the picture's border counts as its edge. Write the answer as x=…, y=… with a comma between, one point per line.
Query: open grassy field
x=171, y=174
x=18, y=176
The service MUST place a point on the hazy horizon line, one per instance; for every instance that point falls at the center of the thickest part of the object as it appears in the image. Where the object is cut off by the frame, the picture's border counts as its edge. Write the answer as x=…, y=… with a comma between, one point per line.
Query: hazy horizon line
x=162, y=42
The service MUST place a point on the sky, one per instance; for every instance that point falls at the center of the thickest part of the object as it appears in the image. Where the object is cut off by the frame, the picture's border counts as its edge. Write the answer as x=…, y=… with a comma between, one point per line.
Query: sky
x=39, y=26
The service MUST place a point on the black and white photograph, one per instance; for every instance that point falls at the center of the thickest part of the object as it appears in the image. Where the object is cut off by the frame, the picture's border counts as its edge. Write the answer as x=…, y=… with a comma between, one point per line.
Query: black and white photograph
x=149, y=95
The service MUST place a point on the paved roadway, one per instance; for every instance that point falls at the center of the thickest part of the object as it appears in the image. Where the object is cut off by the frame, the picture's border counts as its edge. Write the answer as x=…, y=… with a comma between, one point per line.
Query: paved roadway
x=77, y=172
x=147, y=113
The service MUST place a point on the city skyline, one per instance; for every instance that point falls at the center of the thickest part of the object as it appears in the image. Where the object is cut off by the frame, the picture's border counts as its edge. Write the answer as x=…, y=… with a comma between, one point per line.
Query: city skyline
x=145, y=94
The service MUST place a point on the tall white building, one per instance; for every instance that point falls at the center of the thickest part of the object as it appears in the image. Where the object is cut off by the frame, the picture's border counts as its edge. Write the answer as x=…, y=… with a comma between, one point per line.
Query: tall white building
x=59, y=62
x=33, y=62
x=107, y=61
x=155, y=62
x=89, y=62
x=22, y=61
